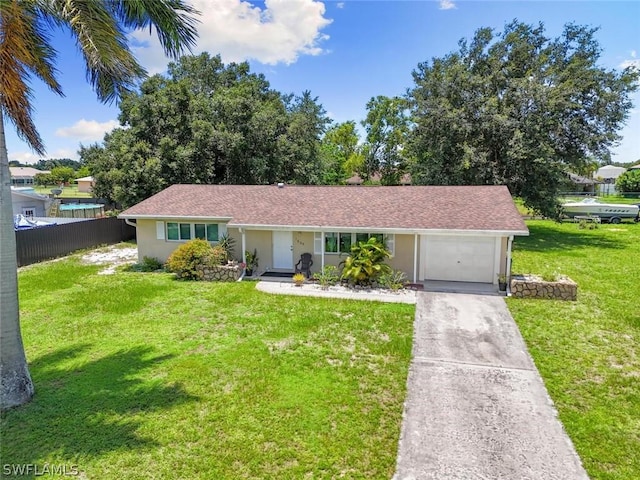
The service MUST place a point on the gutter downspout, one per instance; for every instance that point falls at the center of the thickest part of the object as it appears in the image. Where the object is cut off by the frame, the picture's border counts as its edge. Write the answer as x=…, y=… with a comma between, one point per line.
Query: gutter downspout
x=508, y=266
x=130, y=223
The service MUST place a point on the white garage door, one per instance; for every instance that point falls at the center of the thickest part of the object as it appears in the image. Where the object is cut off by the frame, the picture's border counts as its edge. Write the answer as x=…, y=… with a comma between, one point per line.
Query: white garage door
x=460, y=259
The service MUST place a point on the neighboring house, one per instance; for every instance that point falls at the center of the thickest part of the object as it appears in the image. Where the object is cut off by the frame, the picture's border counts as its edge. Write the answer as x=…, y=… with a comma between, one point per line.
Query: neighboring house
x=579, y=184
x=27, y=202
x=461, y=233
x=635, y=167
x=85, y=184
x=24, y=175
x=608, y=174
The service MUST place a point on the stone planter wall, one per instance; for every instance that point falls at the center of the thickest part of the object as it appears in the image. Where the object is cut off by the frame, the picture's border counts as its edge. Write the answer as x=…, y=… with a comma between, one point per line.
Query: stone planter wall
x=532, y=286
x=220, y=273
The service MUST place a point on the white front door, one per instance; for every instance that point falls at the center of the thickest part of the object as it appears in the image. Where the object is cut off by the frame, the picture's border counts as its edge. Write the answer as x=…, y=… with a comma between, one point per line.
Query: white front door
x=282, y=250
x=458, y=258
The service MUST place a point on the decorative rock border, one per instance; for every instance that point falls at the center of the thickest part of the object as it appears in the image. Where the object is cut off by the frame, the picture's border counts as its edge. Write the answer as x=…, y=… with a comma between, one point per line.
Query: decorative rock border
x=220, y=273
x=532, y=286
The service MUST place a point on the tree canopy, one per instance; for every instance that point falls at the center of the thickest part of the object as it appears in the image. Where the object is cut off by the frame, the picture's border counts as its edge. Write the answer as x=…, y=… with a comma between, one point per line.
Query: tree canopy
x=517, y=108
x=207, y=122
x=629, y=181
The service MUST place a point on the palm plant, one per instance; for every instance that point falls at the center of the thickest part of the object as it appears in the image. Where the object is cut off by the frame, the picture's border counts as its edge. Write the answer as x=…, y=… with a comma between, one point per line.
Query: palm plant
x=366, y=263
x=99, y=28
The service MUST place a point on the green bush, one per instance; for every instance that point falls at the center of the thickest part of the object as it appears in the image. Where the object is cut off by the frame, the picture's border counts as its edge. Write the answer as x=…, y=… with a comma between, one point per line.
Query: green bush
x=226, y=243
x=187, y=257
x=148, y=264
x=393, y=280
x=629, y=181
x=366, y=264
x=327, y=277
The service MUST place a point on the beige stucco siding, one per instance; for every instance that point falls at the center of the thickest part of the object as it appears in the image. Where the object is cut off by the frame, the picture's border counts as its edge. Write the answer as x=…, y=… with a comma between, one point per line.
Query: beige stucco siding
x=403, y=259
x=503, y=255
x=262, y=242
x=149, y=245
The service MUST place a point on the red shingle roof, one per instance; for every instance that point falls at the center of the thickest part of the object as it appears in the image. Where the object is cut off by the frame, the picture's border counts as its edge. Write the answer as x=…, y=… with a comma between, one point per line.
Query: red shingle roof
x=488, y=208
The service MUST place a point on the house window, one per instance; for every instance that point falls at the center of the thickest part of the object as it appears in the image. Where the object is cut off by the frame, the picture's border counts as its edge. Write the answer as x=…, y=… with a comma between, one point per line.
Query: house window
x=206, y=231
x=186, y=231
x=331, y=242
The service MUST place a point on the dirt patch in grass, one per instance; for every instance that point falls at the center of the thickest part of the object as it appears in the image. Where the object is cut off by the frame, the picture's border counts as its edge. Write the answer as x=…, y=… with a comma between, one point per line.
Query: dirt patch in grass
x=111, y=257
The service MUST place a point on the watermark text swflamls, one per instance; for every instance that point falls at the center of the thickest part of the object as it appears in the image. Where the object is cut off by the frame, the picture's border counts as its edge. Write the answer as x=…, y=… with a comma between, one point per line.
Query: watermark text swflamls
x=48, y=469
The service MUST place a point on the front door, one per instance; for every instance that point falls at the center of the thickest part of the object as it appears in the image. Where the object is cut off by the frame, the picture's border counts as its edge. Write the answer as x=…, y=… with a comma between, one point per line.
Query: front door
x=283, y=250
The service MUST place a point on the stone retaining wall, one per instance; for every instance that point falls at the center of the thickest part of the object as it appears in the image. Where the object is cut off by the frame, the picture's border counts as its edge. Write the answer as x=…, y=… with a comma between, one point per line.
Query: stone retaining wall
x=220, y=273
x=532, y=286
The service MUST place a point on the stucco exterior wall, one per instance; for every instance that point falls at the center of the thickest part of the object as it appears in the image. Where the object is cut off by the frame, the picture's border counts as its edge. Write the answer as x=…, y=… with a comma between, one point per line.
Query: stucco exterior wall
x=149, y=245
x=403, y=258
x=262, y=242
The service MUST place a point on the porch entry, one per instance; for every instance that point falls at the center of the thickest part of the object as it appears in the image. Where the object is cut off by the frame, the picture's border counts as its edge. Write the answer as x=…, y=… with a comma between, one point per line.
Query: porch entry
x=283, y=250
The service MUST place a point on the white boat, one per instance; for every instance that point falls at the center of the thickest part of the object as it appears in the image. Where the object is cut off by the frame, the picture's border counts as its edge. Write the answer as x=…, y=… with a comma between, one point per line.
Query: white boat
x=612, y=212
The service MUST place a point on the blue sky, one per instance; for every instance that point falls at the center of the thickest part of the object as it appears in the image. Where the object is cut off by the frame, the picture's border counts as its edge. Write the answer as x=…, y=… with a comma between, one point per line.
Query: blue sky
x=343, y=52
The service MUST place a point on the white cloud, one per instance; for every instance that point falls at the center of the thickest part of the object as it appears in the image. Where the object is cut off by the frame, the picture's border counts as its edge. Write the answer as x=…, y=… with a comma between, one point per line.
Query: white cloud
x=278, y=33
x=340, y=5
x=88, y=130
x=632, y=62
x=635, y=63
x=31, y=158
x=447, y=4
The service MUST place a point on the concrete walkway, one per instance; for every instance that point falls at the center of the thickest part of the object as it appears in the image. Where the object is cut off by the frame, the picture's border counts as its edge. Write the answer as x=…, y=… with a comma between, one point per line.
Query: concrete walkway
x=476, y=406
x=313, y=290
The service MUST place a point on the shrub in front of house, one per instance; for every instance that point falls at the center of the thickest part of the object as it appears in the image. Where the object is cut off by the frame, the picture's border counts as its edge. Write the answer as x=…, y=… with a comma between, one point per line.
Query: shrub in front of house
x=394, y=280
x=366, y=264
x=327, y=277
x=185, y=260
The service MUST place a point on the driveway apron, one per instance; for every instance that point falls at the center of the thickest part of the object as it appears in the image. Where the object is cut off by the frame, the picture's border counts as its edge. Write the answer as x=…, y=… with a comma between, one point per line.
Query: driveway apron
x=476, y=406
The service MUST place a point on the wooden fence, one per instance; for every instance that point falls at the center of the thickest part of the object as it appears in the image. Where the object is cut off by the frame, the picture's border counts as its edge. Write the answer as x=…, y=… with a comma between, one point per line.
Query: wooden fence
x=43, y=243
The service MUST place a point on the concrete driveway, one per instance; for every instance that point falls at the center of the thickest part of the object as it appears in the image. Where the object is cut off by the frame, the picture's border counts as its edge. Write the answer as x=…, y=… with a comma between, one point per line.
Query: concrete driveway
x=476, y=406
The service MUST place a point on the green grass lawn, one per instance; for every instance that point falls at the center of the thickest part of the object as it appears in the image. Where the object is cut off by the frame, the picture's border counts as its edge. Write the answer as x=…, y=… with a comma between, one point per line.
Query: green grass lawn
x=140, y=376
x=588, y=351
x=70, y=191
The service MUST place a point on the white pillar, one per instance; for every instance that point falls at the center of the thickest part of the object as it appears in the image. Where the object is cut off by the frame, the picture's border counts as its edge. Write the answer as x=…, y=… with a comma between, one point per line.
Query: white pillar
x=415, y=258
x=244, y=246
x=508, y=266
x=322, y=249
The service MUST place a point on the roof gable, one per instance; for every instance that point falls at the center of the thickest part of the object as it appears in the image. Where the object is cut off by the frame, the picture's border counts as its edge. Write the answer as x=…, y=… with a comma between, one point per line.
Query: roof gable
x=476, y=208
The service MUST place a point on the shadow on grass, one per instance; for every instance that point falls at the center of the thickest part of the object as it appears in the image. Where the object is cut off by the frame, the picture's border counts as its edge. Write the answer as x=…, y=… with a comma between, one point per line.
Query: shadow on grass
x=544, y=238
x=87, y=410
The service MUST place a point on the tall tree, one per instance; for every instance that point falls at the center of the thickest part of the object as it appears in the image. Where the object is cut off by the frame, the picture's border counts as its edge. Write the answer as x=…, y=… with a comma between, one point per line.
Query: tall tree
x=99, y=28
x=518, y=109
x=307, y=123
x=387, y=127
x=211, y=123
x=341, y=153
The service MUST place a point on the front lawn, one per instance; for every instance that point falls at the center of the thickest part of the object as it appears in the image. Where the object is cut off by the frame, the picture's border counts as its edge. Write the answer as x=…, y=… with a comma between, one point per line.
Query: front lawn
x=588, y=351
x=141, y=376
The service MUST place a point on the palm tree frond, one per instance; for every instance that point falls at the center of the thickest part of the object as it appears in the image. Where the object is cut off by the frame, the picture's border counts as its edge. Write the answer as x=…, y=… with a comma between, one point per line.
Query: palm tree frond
x=111, y=68
x=174, y=21
x=24, y=50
